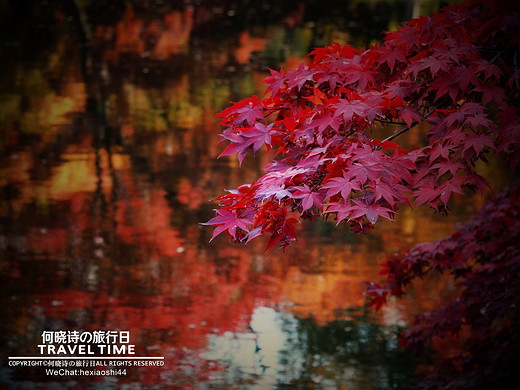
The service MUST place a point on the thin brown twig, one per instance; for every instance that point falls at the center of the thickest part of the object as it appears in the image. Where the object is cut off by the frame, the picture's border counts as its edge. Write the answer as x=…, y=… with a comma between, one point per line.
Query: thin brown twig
x=414, y=123
x=390, y=122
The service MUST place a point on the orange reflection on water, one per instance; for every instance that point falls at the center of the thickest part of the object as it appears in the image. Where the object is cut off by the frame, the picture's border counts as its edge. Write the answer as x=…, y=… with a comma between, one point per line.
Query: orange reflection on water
x=174, y=37
x=157, y=39
x=247, y=46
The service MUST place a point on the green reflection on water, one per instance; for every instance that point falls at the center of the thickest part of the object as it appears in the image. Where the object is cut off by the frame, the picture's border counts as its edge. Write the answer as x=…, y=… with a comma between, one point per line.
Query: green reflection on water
x=282, y=351
x=357, y=354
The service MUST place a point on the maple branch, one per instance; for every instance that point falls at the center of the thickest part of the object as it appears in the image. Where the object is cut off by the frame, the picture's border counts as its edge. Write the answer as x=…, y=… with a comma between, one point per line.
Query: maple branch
x=497, y=52
x=414, y=123
x=390, y=122
x=497, y=56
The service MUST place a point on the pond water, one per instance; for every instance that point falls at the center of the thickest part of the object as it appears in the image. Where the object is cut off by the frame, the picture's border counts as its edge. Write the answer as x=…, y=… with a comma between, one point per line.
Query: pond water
x=109, y=146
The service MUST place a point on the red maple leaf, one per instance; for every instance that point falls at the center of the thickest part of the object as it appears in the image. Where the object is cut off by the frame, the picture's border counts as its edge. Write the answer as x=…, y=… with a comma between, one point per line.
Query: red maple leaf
x=344, y=185
x=391, y=56
x=447, y=165
x=348, y=108
x=478, y=142
x=275, y=82
x=298, y=77
x=370, y=211
x=342, y=209
x=248, y=110
x=227, y=220
x=309, y=198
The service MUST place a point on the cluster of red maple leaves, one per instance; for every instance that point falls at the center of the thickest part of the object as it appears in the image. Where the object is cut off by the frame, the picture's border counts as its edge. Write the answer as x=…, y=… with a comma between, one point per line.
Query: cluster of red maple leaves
x=456, y=77
x=453, y=71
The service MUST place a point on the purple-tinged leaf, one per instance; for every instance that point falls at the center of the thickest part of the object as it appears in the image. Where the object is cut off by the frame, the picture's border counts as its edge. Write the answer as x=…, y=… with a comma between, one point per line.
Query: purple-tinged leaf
x=227, y=220
x=371, y=211
x=309, y=198
x=344, y=185
x=341, y=209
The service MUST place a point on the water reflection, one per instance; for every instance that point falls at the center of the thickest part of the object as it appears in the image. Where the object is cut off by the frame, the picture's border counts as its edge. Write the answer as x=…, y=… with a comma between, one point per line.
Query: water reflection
x=108, y=161
x=284, y=351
